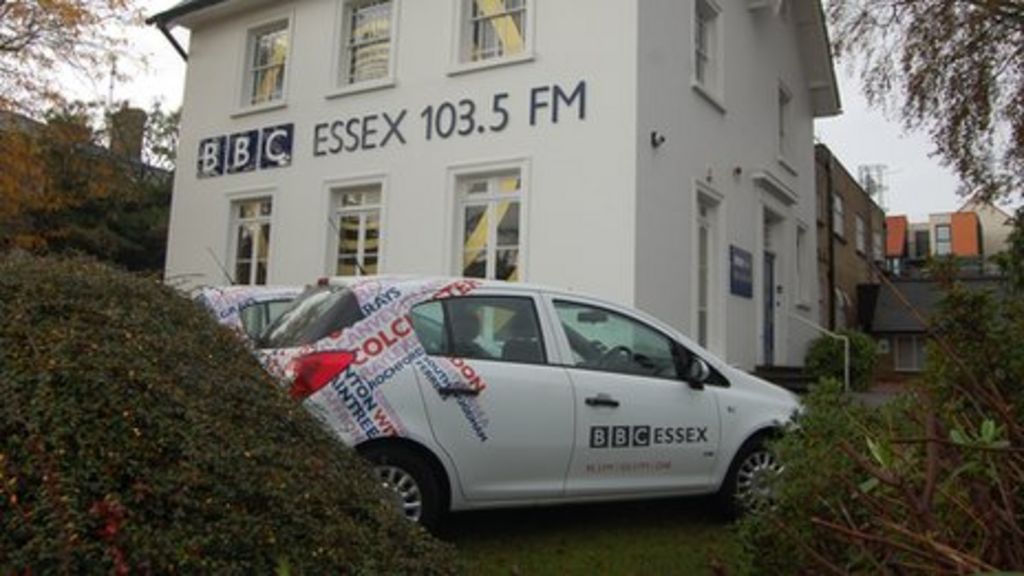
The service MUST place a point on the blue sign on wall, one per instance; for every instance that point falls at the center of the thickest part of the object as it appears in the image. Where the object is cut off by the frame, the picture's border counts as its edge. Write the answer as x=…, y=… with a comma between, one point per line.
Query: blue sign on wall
x=241, y=151
x=246, y=151
x=741, y=272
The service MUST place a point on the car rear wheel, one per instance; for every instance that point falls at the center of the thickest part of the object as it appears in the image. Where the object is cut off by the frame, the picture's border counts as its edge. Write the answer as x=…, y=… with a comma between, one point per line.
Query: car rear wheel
x=410, y=481
x=749, y=485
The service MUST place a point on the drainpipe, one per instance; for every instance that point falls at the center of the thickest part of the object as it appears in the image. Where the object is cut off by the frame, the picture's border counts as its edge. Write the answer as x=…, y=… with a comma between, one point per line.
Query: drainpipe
x=829, y=192
x=174, y=41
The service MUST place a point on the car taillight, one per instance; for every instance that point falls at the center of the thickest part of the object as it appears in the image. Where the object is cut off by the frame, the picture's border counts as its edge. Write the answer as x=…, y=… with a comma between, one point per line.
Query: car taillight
x=315, y=371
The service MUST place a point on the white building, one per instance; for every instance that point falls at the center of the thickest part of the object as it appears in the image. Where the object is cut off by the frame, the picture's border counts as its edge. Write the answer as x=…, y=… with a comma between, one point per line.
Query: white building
x=655, y=152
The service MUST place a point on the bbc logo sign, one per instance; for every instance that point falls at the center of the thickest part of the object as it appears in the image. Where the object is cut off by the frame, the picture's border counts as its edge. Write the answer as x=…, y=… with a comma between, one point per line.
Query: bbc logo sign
x=620, y=436
x=646, y=436
x=247, y=151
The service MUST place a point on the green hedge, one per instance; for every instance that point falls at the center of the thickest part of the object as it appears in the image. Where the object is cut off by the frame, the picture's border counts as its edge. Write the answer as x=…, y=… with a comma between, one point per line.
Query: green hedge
x=825, y=359
x=928, y=483
x=138, y=436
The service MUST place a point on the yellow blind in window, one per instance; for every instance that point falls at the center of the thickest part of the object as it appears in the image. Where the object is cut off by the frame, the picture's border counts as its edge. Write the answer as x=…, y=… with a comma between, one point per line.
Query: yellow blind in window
x=505, y=27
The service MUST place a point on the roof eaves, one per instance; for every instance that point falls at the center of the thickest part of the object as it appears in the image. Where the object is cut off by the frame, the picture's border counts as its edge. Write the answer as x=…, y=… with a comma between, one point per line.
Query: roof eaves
x=179, y=10
x=836, y=97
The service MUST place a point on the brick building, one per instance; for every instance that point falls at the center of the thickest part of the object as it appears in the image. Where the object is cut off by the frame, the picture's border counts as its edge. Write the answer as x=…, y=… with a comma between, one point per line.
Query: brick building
x=851, y=240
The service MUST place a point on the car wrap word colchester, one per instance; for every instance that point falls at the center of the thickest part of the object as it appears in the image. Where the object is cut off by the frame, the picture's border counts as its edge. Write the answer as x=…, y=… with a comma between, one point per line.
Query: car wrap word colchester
x=379, y=347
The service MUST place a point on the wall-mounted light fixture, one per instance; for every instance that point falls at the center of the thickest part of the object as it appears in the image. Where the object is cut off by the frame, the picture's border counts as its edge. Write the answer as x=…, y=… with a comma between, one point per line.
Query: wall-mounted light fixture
x=657, y=139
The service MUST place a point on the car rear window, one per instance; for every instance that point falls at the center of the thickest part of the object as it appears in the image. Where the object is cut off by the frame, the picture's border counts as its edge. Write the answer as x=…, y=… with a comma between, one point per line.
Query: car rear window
x=315, y=314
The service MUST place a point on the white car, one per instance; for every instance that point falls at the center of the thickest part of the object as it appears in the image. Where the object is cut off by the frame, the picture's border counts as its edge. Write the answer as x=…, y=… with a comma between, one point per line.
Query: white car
x=468, y=394
x=247, y=310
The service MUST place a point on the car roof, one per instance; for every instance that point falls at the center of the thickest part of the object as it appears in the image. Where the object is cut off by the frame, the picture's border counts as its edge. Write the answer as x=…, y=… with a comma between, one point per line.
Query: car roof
x=413, y=281
x=245, y=289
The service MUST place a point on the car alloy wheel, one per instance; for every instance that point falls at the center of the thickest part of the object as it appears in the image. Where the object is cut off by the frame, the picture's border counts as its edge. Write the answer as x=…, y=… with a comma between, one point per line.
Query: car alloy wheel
x=754, y=479
x=403, y=487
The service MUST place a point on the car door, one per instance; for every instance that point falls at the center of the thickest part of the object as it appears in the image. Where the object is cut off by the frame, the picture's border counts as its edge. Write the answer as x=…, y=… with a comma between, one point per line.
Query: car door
x=639, y=426
x=508, y=426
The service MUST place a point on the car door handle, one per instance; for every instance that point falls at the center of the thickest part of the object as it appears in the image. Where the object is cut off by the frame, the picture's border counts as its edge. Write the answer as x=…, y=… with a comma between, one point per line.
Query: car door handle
x=602, y=400
x=458, y=391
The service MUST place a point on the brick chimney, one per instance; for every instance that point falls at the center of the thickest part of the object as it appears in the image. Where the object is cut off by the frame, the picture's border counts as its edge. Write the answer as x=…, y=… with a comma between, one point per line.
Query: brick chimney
x=127, y=129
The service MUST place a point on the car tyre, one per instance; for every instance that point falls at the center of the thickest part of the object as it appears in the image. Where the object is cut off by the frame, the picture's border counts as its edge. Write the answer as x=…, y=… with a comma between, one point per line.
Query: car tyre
x=410, y=480
x=747, y=487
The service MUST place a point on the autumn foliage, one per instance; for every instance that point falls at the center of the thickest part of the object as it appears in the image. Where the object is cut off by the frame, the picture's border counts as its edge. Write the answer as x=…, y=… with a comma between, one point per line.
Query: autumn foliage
x=954, y=68
x=40, y=39
x=62, y=191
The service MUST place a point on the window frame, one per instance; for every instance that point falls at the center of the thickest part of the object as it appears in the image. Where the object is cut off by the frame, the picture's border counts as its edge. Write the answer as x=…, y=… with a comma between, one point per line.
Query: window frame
x=921, y=253
x=339, y=62
x=244, y=99
x=235, y=222
x=445, y=303
x=785, y=140
x=946, y=242
x=337, y=212
x=458, y=176
x=713, y=203
x=804, y=266
x=860, y=234
x=917, y=343
x=838, y=216
x=461, y=60
x=705, y=280
x=711, y=89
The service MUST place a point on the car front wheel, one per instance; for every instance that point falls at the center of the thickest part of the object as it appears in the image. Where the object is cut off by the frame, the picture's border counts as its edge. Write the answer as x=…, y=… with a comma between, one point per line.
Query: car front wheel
x=750, y=483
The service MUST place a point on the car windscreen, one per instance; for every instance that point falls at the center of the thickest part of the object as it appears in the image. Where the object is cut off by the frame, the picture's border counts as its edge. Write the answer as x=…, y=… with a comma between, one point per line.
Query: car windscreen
x=317, y=313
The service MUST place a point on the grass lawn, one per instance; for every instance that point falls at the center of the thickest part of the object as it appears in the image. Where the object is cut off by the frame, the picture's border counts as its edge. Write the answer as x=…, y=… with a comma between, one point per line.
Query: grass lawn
x=677, y=536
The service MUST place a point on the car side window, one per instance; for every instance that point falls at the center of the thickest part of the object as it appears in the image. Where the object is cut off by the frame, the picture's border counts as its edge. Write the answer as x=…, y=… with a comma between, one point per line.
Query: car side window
x=254, y=319
x=428, y=323
x=482, y=328
x=607, y=341
x=257, y=317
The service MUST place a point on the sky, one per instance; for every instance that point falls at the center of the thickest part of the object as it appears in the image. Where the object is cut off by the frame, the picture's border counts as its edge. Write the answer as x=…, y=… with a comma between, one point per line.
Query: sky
x=917, y=184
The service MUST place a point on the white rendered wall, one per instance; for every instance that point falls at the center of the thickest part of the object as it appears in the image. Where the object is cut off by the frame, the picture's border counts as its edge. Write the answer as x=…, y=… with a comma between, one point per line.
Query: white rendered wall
x=579, y=174
x=720, y=150
x=605, y=212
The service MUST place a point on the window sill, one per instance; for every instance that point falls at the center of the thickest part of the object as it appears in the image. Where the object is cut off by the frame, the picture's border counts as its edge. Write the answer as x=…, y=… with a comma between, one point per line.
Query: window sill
x=787, y=166
x=368, y=86
x=259, y=108
x=470, y=67
x=708, y=96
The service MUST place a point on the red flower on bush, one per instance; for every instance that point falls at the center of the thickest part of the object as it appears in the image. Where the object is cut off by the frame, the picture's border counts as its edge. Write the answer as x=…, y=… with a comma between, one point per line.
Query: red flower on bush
x=112, y=514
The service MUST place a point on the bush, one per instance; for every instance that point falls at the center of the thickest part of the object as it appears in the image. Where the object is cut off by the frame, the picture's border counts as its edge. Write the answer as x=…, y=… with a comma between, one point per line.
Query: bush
x=817, y=479
x=825, y=359
x=930, y=484
x=138, y=436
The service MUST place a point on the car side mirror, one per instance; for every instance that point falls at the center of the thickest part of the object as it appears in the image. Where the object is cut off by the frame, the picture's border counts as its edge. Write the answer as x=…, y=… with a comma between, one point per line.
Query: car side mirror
x=697, y=373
